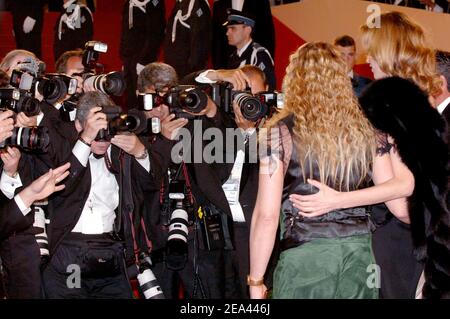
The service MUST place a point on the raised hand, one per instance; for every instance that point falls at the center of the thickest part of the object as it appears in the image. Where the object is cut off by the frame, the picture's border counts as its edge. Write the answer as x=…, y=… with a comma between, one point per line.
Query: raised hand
x=325, y=201
x=45, y=185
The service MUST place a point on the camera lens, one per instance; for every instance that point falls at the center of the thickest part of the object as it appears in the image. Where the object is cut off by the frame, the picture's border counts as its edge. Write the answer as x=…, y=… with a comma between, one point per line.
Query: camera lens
x=251, y=107
x=52, y=89
x=147, y=280
x=193, y=100
x=112, y=83
x=30, y=138
x=28, y=105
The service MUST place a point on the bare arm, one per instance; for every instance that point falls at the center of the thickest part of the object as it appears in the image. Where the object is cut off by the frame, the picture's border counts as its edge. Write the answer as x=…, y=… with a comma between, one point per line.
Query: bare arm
x=388, y=167
x=265, y=222
x=393, y=183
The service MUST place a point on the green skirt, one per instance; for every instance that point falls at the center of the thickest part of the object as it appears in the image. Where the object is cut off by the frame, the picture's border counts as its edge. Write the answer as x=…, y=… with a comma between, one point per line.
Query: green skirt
x=329, y=268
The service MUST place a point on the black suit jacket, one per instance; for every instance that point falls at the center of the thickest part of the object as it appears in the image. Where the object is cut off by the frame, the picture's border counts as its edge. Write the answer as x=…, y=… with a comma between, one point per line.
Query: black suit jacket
x=264, y=31
x=11, y=218
x=359, y=83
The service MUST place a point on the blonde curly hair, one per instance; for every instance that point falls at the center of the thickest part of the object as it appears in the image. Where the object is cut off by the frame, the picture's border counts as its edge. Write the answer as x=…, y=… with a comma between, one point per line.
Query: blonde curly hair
x=329, y=125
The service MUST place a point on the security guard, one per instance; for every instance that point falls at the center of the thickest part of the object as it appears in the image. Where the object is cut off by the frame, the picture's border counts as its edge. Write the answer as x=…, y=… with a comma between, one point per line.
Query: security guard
x=73, y=29
x=239, y=33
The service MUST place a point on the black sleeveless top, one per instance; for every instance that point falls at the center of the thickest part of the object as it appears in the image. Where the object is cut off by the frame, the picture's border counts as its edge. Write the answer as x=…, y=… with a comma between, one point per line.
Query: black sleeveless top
x=298, y=229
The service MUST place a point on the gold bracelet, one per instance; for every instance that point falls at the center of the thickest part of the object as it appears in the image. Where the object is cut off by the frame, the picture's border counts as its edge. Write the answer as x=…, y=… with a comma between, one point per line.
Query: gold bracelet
x=253, y=282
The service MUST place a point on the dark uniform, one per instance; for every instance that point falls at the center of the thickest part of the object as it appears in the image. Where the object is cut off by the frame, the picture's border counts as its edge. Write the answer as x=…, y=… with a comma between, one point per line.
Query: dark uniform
x=20, y=10
x=264, y=32
x=141, y=38
x=73, y=29
x=256, y=55
x=188, y=36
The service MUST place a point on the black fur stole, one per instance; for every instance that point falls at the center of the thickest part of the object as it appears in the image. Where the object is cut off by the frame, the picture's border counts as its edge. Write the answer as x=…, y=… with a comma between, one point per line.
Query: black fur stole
x=401, y=109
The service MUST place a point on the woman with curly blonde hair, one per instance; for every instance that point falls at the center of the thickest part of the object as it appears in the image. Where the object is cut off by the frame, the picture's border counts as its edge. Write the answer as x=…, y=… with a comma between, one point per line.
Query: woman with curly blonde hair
x=322, y=134
x=398, y=105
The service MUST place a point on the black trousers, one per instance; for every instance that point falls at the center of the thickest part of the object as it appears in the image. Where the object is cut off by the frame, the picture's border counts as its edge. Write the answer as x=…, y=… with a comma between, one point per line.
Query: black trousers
x=28, y=41
x=21, y=266
x=109, y=279
x=400, y=271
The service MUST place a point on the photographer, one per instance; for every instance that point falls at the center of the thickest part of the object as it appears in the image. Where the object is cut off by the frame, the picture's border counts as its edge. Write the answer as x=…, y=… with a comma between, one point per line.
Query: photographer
x=240, y=175
x=94, y=218
x=207, y=272
x=19, y=250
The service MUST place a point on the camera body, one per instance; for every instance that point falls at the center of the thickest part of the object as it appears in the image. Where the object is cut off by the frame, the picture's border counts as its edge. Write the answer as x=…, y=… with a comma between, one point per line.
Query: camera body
x=19, y=101
x=133, y=122
x=253, y=106
x=180, y=99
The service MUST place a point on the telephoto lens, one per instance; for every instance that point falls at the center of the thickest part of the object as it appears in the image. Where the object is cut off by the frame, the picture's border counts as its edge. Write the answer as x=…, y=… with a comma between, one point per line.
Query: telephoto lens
x=252, y=108
x=39, y=227
x=176, y=246
x=112, y=83
x=147, y=280
x=29, y=138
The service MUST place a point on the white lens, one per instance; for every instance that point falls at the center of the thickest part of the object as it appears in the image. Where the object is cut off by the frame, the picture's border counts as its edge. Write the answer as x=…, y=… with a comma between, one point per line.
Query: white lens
x=72, y=89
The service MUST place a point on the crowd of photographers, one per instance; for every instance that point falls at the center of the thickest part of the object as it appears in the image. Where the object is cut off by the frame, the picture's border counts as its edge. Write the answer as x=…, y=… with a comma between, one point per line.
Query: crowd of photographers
x=94, y=199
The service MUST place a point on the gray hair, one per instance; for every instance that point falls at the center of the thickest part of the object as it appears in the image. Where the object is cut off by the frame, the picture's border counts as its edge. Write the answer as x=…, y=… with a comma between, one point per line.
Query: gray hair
x=5, y=65
x=443, y=65
x=88, y=101
x=158, y=75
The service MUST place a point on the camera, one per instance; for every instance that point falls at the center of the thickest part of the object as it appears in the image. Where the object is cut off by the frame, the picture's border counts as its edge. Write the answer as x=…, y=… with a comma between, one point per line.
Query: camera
x=176, y=246
x=253, y=106
x=112, y=83
x=179, y=99
x=19, y=101
x=28, y=138
x=134, y=122
x=53, y=86
x=91, y=54
x=147, y=280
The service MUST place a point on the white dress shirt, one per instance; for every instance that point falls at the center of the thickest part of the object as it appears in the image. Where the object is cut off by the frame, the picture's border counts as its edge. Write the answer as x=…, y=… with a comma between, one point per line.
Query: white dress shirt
x=242, y=50
x=441, y=107
x=8, y=186
x=98, y=213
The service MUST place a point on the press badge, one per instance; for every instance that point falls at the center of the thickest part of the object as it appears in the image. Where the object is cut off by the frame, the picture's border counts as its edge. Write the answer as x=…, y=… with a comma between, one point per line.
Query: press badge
x=232, y=186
